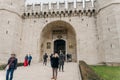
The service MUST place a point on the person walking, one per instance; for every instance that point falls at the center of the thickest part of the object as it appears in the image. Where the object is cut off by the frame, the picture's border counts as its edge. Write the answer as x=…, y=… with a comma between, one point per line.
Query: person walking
x=51, y=59
x=26, y=60
x=55, y=63
x=45, y=56
x=11, y=66
x=29, y=59
x=61, y=61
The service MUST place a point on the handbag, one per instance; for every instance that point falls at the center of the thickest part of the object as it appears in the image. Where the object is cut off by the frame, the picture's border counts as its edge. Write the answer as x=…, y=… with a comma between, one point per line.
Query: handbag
x=7, y=67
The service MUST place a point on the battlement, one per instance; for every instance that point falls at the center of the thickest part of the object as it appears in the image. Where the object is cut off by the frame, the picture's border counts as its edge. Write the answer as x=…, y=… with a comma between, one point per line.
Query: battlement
x=61, y=9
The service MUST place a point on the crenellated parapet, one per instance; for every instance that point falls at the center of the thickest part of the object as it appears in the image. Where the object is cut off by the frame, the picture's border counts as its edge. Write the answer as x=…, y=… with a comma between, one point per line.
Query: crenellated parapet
x=65, y=13
x=61, y=9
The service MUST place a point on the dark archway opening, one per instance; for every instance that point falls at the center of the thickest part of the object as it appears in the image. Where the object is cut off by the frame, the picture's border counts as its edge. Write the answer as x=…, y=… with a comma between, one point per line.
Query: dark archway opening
x=60, y=46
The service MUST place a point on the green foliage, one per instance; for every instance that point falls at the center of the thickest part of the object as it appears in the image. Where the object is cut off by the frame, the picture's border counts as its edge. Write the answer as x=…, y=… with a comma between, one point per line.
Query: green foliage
x=108, y=72
x=2, y=67
x=20, y=64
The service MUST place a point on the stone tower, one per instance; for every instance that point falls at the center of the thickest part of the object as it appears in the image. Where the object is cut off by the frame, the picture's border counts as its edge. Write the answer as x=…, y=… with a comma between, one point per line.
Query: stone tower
x=108, y=26
x=10, y=27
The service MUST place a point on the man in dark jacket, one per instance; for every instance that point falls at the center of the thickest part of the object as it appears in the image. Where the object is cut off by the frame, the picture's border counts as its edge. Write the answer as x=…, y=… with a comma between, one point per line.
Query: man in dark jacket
x=61, y=61
x=29, y=59
x=45, y=56
x=12, y=65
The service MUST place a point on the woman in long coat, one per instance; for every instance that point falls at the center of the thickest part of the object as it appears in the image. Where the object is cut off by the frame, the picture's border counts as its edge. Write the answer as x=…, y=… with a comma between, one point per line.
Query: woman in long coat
x=55, y=64
x=26, y=61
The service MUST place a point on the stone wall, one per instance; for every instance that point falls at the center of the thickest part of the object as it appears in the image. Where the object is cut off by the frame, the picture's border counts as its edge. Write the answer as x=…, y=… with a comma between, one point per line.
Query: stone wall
x=87, y=73
x=85, y=30
x=108, y=30
x=10, y=28
x=10, y=34
x=101, y=4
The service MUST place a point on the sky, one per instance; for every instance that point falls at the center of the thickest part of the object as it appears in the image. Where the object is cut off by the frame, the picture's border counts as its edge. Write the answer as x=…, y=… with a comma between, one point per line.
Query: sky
x=46, y=1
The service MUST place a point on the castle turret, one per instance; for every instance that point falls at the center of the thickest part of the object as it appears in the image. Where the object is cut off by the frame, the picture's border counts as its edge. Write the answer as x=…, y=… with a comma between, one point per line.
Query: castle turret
x=10, y=27
x=108, y=18
x=106, y=3
x=12, y=5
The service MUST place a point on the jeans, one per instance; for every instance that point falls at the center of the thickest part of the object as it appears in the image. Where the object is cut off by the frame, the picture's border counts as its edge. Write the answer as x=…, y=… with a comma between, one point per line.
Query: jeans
x=45, y=61
x=60, y=67
x=9, y=74
x=29, y=62
x=55, y=72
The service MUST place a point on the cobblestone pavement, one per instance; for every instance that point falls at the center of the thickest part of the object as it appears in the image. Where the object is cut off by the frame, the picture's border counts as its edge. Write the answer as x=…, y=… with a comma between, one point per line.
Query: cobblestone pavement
x=41, y=72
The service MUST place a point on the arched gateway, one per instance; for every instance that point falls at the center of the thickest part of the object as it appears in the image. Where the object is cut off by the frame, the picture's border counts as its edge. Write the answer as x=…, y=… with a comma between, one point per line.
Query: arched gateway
x=58, y=36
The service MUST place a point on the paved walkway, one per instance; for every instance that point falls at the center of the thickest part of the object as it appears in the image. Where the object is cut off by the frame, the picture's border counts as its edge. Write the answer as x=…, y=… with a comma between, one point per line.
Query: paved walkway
x=40, y=72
